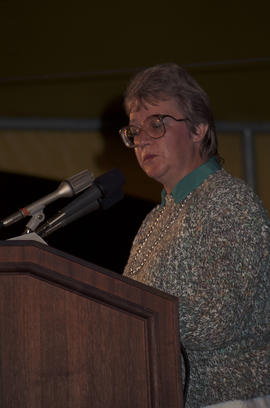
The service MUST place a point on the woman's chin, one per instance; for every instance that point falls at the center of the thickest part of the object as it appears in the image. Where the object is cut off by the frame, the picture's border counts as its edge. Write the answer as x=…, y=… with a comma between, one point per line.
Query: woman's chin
x=153, y=173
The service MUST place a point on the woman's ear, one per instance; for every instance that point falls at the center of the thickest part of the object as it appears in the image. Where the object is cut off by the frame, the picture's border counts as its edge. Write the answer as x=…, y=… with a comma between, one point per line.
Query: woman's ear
x=201, y=131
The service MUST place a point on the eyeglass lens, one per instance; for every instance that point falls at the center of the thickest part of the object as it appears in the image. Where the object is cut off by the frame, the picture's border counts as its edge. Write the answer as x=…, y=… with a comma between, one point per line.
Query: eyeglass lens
x=153, y=126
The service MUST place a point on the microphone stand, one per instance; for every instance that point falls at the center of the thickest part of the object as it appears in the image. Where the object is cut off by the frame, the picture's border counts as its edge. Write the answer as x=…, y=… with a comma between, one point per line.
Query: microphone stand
x=29, y=231
x=34, y=222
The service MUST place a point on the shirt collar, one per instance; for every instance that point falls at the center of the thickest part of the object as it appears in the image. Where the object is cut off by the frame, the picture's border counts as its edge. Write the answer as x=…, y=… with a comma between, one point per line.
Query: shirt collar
x=192, y=180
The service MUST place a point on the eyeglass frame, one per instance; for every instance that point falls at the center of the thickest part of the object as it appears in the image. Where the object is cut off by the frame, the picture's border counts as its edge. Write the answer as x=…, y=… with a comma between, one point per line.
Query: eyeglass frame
x=160, y=116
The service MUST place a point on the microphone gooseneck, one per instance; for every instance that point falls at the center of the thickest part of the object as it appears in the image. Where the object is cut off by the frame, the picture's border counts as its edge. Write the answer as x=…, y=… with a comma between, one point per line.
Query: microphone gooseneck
x=67, y=188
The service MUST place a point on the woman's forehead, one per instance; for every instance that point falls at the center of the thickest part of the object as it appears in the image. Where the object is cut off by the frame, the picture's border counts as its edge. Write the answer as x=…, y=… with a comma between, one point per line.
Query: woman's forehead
x=147, y=108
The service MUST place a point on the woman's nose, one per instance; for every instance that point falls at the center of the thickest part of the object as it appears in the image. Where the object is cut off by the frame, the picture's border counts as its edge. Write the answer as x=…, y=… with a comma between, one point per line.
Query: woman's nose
x=142, y=138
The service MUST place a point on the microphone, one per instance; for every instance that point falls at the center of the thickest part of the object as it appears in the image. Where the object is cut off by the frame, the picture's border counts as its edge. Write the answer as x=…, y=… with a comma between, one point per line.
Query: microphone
x=67, y=188
x=102, y=204
x=104, y=192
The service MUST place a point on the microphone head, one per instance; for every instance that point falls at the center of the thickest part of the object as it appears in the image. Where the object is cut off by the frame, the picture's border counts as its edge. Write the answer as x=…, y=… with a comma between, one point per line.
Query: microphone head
x=108, y=202
x=80, y=181
x=110, y=182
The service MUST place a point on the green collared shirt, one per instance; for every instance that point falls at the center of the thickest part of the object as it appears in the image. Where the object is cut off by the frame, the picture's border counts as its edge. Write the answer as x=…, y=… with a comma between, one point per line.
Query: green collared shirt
x=192, y=180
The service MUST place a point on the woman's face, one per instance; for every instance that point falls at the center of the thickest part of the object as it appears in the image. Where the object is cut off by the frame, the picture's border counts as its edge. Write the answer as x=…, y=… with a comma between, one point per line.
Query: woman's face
x=171, y=157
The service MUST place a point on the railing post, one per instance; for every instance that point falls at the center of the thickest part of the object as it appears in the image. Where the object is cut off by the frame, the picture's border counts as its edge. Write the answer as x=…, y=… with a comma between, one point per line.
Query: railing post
x=249, y=157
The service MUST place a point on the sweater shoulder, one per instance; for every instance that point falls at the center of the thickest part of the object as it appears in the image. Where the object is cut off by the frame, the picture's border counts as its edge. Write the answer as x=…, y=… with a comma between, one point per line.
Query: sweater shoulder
x=224, y=190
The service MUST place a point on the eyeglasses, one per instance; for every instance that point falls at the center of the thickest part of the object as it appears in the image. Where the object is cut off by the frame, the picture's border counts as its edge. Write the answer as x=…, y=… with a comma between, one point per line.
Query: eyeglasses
x=153, y=125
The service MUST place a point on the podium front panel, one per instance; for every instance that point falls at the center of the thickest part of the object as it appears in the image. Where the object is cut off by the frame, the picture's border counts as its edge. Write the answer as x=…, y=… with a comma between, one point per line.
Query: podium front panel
x=77, y=336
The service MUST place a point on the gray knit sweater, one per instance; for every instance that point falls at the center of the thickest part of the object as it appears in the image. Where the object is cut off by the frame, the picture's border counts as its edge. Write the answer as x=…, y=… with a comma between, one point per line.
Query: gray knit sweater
x=212, y=251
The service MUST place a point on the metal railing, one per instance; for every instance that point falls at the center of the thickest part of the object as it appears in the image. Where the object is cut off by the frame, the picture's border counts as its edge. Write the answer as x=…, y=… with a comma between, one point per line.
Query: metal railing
x=248, y=130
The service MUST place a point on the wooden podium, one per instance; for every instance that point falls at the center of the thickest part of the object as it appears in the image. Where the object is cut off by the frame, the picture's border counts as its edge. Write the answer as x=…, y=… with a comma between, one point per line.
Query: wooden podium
x=73, y=335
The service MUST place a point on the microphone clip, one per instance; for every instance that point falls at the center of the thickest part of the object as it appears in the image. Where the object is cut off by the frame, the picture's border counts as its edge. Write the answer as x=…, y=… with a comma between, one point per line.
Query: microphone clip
x=37, y=218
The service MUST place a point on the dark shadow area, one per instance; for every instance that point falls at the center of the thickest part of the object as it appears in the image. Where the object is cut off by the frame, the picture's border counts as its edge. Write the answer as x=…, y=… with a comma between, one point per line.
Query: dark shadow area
x=103, y=238
x=113, y=119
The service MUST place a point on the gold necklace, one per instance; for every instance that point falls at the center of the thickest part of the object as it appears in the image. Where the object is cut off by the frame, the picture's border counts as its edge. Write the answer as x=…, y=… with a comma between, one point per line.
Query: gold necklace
x=135, y=269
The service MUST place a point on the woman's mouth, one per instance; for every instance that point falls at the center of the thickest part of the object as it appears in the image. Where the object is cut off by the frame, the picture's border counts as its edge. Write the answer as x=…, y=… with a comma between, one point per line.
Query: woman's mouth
x=148, y=157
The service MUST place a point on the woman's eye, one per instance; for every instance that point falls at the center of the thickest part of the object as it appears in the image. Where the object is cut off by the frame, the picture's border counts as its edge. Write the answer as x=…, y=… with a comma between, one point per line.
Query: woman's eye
x=156, y=124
